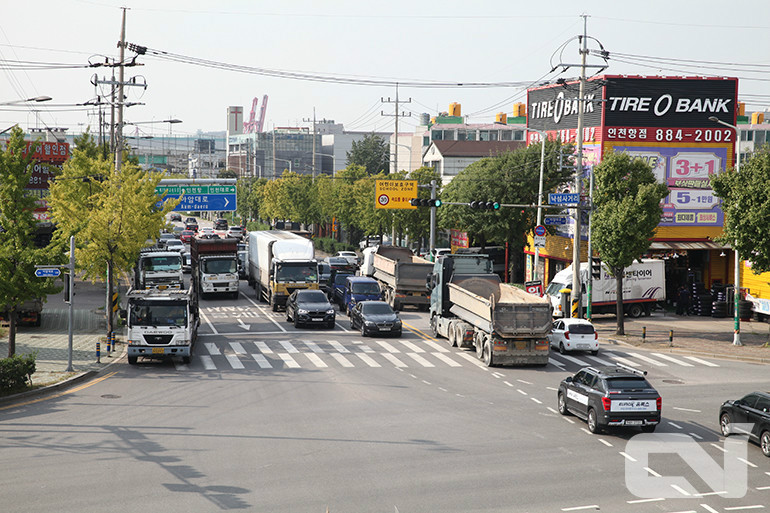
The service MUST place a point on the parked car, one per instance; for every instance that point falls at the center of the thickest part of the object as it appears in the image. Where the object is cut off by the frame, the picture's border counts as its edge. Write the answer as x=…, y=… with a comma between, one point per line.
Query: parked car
x=220, y=224
x=360, y=288
x=186, y=236
x=610, y=396
x=571, y=334
x=235, y=232
x=350, y=256
x=309, y=307
x=753, y=409
x=175, y=216
x=375, y=317
x=175, y=245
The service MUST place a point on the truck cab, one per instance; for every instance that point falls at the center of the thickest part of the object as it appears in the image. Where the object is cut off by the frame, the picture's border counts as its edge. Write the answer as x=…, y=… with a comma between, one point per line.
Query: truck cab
x=157, y=269
x=360, y=288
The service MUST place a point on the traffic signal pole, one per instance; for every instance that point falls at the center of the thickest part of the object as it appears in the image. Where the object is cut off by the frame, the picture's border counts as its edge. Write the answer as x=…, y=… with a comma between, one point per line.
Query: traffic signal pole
x=576, y=292
x=432, y=216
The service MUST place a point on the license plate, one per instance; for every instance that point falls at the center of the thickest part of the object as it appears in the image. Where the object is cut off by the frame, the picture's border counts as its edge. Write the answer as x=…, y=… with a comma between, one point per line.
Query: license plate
x=384, y=329
x=633, y=423
x=158, y=350
x=316, y=319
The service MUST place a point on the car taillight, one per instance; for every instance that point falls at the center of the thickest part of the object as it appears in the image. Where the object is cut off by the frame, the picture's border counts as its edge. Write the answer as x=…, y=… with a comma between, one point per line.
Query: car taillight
x=596, y=336
x=606, y=403
x=566, y=335
x=659, y=403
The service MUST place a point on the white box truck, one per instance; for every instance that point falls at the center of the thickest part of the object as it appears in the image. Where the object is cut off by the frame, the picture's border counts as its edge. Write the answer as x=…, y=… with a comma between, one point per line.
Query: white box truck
x=644, y=286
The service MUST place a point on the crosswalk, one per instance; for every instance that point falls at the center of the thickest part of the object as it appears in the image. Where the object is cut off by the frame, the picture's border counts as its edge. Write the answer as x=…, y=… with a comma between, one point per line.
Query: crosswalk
x=399, y=353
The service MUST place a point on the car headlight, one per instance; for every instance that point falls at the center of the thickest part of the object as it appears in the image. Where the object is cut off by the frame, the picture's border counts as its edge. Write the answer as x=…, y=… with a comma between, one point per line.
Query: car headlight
x=301, y=311
x=369, y=323
x=330, y=311
x=397, y=324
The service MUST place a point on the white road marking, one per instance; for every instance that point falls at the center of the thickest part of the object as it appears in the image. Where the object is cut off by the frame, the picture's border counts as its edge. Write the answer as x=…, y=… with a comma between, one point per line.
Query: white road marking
x=415, y=348
x=740, y=508
x=571, y=359
x=342, y=360
x=395, y=361
x=622, y=360
x=648, y=360
x=578, y=508
x=551, y=410
x=262, y=361
x=207, y=321
x=552, y=389
x=763, y=487
x=600, y=361
x=438, y=346
x=522, y=392
x=212, y=349
x=554, y=362
x=675, y=425
x=498, y=375
x=337, y=346
x=234, y=361
x=702, y=362
x=686, y=409
x=315, y=359
x=471, y=357
x=641, y=501
x=237, y=348
x=681, y=490
x=313, y=347
x=652, y=472
x=627, y=456
x=208, y=363
x=389, y=348
x=263, y=348
x=368, y=360
x=709, y=508
x=419, y=359
x=538, y=401
x=747, y=462
x=718, y=447
x=426, y=382
x=444, y=358
x=605, y=442
x=288, y=360
x=367, y=349
x=672, y=359
x=288, y=346
x=522, y=381
x=694, y=435
x=509, y=384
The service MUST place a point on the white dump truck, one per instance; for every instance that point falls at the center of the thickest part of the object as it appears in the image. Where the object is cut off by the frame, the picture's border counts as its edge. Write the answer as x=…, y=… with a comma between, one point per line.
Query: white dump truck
x=158, y=269
x=472, y=308
x=214, y=266
x=161, y=323
x=402, y=276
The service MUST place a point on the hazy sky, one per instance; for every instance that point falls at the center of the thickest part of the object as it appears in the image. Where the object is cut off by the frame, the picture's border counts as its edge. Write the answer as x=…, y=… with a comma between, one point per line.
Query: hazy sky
x=507, y=44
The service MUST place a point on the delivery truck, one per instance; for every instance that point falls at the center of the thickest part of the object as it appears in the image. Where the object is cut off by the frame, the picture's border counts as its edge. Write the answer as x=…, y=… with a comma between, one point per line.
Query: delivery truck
x=644, y=287
x=472, y=308
x=402, y=276
x=280, y=262
x=158, y=269
x=214, y=266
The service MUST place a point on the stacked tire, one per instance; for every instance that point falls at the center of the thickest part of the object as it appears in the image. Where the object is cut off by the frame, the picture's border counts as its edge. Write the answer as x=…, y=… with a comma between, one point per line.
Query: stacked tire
x=744, y=310
x=719, y=309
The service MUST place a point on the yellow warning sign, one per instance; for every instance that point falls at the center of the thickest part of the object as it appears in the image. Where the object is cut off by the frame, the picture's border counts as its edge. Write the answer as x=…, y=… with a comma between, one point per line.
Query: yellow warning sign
x=394, y=193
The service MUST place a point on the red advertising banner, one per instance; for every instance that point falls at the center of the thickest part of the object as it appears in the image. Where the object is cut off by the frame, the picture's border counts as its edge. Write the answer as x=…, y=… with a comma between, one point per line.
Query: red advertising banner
x=458, y=239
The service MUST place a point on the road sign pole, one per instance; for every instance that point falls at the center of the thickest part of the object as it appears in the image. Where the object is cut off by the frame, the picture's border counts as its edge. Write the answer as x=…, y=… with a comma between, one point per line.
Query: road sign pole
x=70, y=321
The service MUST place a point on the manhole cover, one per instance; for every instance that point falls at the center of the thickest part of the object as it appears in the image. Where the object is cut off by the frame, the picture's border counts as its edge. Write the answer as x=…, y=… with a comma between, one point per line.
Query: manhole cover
x=110, y=396
x=673, y=381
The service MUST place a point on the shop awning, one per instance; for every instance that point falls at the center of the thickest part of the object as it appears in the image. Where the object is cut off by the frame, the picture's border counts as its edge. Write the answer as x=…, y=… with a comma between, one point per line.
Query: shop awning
x=684, y=246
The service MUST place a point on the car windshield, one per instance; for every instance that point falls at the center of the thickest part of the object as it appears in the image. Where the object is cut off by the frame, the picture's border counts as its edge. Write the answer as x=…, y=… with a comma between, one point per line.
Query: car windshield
x=172, y=313
x=627, y=383
x=219, y=266
x=162, y=263
x=340, y=279
x=581, y=329
x=554, y=288
x=324, y=268
x=312, y=296
x=365, y=288
x=376, y=308
x=306, y=273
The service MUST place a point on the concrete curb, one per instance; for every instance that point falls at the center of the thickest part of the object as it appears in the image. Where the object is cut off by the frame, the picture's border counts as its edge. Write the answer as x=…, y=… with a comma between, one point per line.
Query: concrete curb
x=62, y=385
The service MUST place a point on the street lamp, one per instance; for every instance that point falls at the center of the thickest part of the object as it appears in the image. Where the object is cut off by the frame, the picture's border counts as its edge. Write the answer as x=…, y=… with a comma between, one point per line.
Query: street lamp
x=543, y=137
x=737, y=278
x=282, y=160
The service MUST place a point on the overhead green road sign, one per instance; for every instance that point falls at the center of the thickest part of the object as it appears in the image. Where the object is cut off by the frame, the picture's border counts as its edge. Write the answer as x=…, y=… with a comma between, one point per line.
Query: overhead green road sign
x=178, y=190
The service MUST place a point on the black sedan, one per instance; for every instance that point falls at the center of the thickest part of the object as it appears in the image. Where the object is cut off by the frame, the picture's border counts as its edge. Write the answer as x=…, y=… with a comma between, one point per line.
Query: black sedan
x=309, y=307
x=753, y=409
x=375, y=317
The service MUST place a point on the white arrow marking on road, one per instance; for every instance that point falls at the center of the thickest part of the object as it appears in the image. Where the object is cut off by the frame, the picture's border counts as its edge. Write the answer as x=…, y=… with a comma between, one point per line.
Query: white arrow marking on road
x=243, y=325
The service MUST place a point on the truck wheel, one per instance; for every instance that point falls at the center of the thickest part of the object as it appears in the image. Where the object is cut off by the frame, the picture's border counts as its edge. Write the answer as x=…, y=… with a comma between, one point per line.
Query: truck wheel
x=433, y=327
x=39, y=320
x=132, y=360
x=479, y=343
x=635, y=310
x=487, y=354
x=451, y=335
x=593, y=424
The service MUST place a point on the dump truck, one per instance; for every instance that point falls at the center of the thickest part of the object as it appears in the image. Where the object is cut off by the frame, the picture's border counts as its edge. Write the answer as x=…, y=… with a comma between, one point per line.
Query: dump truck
x=158, y=269
x=471, y=307
x=29, y=313
x=214, y=266
x=280, y=262
x=402, y=276
x=161, y=323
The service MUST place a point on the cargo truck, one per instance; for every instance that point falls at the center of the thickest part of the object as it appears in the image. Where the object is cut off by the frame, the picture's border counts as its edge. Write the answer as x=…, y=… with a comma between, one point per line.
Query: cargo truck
x=280, y=262
x=161, y=323
x=402, y=276
x=30, y=313
x=472, y=308
x=644, y=287
x=214, y=266
x=158, y=269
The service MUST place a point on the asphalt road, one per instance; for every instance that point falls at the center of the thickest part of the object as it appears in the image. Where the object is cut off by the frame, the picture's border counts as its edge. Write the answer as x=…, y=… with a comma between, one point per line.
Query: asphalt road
x=270, y=418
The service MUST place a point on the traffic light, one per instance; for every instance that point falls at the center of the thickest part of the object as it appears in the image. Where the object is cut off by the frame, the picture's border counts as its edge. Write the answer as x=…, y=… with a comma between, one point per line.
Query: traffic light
x=596, y=267
x=484, y=205
x=418, y=202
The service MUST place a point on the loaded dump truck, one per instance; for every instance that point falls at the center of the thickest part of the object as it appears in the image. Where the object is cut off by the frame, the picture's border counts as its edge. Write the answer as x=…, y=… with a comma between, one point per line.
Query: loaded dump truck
x=214, y=266
x=472, y=308
x=402, y=276
x=158, y=269
x=280, y=262
x=161, y=323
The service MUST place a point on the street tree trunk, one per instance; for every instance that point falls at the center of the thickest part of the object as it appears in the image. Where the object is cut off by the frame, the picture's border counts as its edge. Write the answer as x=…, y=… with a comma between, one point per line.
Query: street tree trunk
x=621, y=329
x=12, y=332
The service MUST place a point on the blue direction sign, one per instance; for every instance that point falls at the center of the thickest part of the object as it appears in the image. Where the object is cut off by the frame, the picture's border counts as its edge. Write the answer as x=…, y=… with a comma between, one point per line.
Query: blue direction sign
x=47, y=272
x=570, y=198
x=555, y=220
x=203, y=202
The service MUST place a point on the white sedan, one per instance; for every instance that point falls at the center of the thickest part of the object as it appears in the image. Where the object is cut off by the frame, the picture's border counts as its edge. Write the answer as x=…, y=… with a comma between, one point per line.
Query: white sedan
x=574, y=335
x=350, y=256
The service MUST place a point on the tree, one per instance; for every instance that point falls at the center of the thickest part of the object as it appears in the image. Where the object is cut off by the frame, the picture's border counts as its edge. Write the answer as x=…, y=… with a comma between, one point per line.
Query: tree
x=372, y=152
x=18, y=255
x=111, y=213
x=746, y=204
x=626, y=213
x=512, y=178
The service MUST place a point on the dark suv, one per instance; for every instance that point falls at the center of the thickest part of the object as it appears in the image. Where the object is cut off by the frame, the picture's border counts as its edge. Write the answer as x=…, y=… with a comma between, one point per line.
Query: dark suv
x=752, y=409
x=220, y=224
x=611, y=396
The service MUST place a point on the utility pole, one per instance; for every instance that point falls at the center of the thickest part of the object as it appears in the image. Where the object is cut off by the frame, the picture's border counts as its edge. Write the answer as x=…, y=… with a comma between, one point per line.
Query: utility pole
x=314, y=137
x=396, y=115
x=576, y=292
x=121, y=76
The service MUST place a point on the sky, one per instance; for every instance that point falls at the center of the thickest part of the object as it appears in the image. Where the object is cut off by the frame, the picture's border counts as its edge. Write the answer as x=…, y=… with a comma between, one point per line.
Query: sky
x=348, y=55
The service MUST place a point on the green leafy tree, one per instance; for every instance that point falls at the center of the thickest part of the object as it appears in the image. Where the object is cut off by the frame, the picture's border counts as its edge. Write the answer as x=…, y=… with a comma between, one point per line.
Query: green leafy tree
x=111, y=213
x=18, y=254
x=626, y=213
x=746, y=204
x=372, y=153
x=512, y=178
